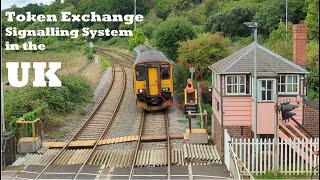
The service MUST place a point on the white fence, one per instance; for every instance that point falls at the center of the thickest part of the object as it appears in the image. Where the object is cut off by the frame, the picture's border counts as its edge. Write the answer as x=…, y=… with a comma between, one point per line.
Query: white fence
x=294, y=156
x=232, y=161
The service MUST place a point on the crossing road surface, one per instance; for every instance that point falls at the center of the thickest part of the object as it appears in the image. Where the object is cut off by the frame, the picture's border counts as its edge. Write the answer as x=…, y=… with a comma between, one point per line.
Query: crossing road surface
x=100, y=172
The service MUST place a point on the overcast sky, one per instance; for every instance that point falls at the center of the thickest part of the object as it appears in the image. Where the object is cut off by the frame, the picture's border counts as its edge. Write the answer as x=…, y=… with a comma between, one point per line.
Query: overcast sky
x=21, y=3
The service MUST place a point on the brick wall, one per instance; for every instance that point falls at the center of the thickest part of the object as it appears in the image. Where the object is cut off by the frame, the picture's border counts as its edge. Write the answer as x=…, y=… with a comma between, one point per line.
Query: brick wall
x=218, y=136
x=311, y=119
x=235, y=131
x=300, y=44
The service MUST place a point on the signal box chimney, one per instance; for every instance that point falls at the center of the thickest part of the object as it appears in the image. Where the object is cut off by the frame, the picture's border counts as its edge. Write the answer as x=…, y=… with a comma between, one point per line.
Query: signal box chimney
x=300, y=44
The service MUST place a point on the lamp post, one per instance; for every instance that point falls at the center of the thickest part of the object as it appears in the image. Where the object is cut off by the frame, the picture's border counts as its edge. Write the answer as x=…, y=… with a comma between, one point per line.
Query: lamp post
x=135, y=13
x=254, y=25
x=286, y=18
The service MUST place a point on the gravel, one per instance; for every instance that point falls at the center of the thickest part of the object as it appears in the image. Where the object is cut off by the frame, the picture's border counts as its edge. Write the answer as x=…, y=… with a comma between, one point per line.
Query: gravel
x=127, y=120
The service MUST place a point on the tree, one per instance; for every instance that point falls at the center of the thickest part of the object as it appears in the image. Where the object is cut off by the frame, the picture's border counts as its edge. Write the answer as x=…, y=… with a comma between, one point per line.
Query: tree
x=203, y=51
x=313, y=68
x=272, y=11
x=312, y=20
x=150, y=23
x=170, y=33
x=136, y=39
x=279, y=42
x=231, y=21
x=33, y=8
x=165, y=7
x=122, y=7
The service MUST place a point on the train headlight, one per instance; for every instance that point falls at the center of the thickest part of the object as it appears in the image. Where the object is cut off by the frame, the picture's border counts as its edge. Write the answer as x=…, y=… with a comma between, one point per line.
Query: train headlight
x=141, y=90
x=165, y=89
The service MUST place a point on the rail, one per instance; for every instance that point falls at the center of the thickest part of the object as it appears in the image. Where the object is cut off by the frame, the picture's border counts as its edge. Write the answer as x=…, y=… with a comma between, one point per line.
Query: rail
x=138, y=144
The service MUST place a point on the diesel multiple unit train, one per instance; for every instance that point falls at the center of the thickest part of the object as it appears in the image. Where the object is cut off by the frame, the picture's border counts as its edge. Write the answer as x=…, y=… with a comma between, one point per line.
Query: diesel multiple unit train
x=152, y=79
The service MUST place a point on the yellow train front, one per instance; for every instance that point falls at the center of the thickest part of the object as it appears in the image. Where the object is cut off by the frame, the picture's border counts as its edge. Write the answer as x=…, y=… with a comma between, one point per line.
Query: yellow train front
x=152, y=79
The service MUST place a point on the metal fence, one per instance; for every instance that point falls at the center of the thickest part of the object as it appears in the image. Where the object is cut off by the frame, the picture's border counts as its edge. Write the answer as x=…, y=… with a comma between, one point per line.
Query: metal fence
x=8, y=148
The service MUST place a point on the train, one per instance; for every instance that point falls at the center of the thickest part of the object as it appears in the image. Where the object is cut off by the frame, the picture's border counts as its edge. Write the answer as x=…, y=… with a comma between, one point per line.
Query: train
x=152, y=79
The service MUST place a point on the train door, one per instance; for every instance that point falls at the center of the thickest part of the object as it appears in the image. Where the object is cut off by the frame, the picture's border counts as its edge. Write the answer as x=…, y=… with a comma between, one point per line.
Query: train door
x=153, y=81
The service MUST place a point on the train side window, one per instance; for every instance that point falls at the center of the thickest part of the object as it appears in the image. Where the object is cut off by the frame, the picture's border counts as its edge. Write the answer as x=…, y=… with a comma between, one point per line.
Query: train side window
x=165, y=72
x=140, y=73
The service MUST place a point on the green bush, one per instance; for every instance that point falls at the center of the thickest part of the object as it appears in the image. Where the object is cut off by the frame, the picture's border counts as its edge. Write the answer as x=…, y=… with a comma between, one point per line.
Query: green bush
x=170, y=33
x=105, y=63
x=90, y=54
x=77, y=86
x=120, y=42
x=31, y=102
x=203, y=51
x=136, y=39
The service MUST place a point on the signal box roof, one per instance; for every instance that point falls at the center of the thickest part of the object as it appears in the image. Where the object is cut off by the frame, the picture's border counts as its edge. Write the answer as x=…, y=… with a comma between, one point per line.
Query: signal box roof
x=268, y=62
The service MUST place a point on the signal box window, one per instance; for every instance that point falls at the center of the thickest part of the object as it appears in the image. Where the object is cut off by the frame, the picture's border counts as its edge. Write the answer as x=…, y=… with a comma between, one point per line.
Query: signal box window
x=165, y=72
x=288, y=84
x=265, y=90
x=140, y=73
x=237, y=85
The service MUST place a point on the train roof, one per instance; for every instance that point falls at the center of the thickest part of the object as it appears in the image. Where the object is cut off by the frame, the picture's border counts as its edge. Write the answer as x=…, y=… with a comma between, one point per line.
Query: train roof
x=140, y=49
x=151, y=56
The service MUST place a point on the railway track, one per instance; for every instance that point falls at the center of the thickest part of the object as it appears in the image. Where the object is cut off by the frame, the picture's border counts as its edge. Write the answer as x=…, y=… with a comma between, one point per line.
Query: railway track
x=151, y=155
x=127, y=59
x=126, y=56
x=145, y=153
x=99, y=120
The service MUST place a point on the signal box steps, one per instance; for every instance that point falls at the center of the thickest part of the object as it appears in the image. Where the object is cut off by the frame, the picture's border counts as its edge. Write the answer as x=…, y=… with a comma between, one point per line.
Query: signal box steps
x=288, y=133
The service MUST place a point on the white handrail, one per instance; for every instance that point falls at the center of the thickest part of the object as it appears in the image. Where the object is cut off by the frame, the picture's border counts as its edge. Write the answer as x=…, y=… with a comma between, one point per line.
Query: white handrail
x=236, y=159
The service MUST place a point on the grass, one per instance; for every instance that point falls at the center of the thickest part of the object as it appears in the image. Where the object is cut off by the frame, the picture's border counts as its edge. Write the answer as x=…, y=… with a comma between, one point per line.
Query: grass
x=119, y=42
x=182, y=121
x=71, y=62
x=105, y=63
x=271, y=175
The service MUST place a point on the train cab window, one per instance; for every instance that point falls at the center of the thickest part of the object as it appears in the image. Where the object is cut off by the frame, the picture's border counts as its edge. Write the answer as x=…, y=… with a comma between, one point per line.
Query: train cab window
x=165, y=72
x=140, y=73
